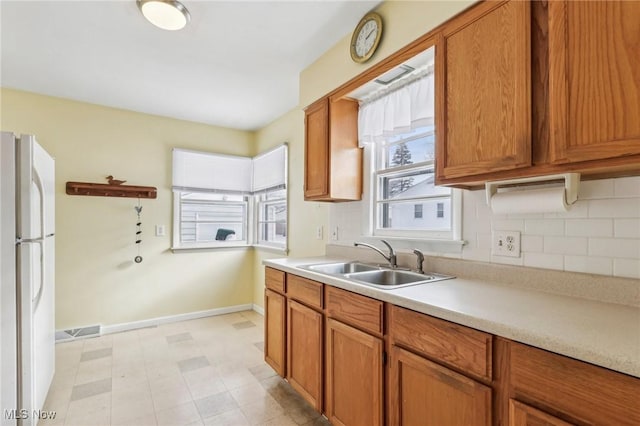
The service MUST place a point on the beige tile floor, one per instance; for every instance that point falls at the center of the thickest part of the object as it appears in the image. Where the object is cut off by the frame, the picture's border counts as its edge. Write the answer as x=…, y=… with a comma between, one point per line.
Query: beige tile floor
x=208, y=371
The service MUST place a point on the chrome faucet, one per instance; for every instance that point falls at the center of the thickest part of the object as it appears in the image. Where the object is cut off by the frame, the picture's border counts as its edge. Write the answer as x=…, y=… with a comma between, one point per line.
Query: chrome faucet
x=391, y=258
x=420, y=260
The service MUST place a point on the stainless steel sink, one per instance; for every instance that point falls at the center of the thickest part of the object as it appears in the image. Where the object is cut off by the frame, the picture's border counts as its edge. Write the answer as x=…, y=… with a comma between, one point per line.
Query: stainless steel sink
x=393, y=278
x=374, y=276
x=340, y=268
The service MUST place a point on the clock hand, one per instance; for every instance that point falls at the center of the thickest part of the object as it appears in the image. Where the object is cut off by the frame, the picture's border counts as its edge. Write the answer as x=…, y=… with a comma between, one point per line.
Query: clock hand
x=369, y=35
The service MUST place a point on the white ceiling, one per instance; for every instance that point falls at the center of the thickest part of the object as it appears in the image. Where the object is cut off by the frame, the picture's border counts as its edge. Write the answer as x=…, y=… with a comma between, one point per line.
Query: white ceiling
x=236, y=64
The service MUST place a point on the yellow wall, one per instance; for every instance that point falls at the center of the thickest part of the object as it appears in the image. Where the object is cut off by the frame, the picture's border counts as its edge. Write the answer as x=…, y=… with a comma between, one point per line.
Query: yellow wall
x=96, y=279
x=404, y=21
x=304, y=216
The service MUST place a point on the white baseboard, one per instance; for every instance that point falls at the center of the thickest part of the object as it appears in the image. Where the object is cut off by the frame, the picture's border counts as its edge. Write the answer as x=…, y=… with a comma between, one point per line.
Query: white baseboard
x=174, y=318
x=259, y=309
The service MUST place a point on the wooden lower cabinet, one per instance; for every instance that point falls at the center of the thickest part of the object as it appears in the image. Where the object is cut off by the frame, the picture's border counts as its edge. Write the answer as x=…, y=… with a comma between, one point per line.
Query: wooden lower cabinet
x=275, y=331
x=354, y=382
x=424, y=393
x=304, y=355
x=523, y=415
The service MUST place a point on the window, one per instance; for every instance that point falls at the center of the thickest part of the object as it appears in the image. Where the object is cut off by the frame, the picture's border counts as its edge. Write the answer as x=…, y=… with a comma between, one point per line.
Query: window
x=417, y=211
x=222, y=201
x=272, y=217
x=406, y=200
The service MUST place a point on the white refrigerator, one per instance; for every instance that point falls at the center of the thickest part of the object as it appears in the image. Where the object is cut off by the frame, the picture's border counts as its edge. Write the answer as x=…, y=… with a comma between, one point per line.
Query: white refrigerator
x=27, y=247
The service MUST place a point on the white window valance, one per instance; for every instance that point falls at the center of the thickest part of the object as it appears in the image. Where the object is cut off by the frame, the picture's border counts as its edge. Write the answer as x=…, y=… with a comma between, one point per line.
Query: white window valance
x=197, y=171
x=398, y=109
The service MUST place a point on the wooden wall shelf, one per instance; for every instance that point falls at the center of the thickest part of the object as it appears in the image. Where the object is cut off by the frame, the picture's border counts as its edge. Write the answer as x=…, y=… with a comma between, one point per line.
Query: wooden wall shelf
x=107, y=190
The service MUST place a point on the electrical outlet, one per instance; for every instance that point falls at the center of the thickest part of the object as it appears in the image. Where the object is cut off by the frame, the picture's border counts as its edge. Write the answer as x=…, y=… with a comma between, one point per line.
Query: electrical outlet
x=319, y=232
x=506, y=243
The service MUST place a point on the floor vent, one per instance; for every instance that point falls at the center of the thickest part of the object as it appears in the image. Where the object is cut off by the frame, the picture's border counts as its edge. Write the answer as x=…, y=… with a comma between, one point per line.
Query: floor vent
x=77, y=333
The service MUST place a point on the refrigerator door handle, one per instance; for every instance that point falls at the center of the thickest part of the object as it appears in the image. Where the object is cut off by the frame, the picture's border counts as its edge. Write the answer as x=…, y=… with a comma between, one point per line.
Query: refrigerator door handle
x=40, y=242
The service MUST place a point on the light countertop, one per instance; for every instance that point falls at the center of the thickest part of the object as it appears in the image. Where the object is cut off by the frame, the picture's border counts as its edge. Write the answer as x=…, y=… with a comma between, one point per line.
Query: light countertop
x=604, y=334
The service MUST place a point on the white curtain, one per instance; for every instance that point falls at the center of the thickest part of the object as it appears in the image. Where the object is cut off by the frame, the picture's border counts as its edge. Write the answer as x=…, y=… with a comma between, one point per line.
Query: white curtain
x=397, y=110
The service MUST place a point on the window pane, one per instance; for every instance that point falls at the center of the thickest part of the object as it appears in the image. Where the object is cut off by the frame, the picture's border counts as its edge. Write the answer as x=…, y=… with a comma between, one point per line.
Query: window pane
x=272, y=233
x=402, y=215
x=411, y=151
x=415, y=183
x=273, y=212
x=208, y=217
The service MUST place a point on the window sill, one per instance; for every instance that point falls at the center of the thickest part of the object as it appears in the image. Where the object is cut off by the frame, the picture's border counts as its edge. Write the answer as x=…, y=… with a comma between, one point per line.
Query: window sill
x=272, y=249
x=210, y=248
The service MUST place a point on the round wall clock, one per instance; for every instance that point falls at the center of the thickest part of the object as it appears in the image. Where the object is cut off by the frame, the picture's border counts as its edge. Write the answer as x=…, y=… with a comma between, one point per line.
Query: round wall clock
x=366, y=37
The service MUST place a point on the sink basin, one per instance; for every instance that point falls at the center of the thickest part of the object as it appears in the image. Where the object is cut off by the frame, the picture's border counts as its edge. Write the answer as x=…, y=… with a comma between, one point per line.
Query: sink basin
x=374, y=276
x=392, y=278
x=340, y=268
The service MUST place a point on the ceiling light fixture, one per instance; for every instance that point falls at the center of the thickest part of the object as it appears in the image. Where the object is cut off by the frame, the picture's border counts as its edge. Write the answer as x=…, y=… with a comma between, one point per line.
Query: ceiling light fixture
x=166, y=14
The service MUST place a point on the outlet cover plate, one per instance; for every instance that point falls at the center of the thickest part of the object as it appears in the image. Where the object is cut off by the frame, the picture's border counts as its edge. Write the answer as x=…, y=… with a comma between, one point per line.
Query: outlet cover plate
x=505, y=243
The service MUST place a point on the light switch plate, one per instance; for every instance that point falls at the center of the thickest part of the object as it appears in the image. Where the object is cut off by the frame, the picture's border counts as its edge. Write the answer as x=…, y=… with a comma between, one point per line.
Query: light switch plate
x=160, y=231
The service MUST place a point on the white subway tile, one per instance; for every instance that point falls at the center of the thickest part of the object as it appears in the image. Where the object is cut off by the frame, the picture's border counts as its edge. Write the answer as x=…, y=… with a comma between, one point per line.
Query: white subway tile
x=589, y=227
x=614, y=208
x=595, y=189
x=589, y=264
x=627, y=187
x=565, y=245
x=507, y=225
x=615, y=247
x=483, y=241
x=629, y=268
x=532, y=243
x=543, y=260
x=627, y=228
x=518, y=261
x=544, y=227
x=475, y=253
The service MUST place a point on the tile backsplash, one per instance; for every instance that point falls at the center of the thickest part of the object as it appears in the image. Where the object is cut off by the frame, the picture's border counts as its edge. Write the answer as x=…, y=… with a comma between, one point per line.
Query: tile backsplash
x=600, y=234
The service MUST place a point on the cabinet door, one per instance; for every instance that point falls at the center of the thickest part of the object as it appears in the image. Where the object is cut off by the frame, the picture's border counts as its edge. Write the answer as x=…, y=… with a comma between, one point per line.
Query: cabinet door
x=316, y=154
x=594, y=79
x=304, y=356
x=483, y=91
x=354, y=376
x=523, y=415
x=426, y=394
x=274, y=331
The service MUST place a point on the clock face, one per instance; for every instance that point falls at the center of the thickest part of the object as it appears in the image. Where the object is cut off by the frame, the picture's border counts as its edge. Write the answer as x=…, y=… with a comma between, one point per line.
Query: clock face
x=366, y=37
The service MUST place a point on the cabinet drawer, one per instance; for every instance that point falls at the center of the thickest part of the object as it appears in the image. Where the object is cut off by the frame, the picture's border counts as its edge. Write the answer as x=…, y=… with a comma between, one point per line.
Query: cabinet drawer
x=274, y=279
x=354, y=309
x=556, y=383
x=304, y=290
x=464, y=348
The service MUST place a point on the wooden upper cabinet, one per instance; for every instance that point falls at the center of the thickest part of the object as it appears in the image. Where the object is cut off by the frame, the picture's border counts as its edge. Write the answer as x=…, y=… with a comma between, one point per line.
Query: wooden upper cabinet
x=332, y=159
x=594, y=79
x=483, y=91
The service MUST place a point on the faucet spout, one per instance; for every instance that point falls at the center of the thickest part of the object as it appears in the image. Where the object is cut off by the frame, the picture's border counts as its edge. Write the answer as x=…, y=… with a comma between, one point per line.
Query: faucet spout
x=391, y=258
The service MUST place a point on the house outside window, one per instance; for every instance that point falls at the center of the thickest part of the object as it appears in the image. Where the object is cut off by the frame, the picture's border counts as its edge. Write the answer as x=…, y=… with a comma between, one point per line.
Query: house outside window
x=417, y=211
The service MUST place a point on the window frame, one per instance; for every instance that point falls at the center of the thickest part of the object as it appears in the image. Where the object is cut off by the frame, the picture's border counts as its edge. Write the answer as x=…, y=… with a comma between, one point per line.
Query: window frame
x=251, y=201
x=379, y=172
x=258, y=206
